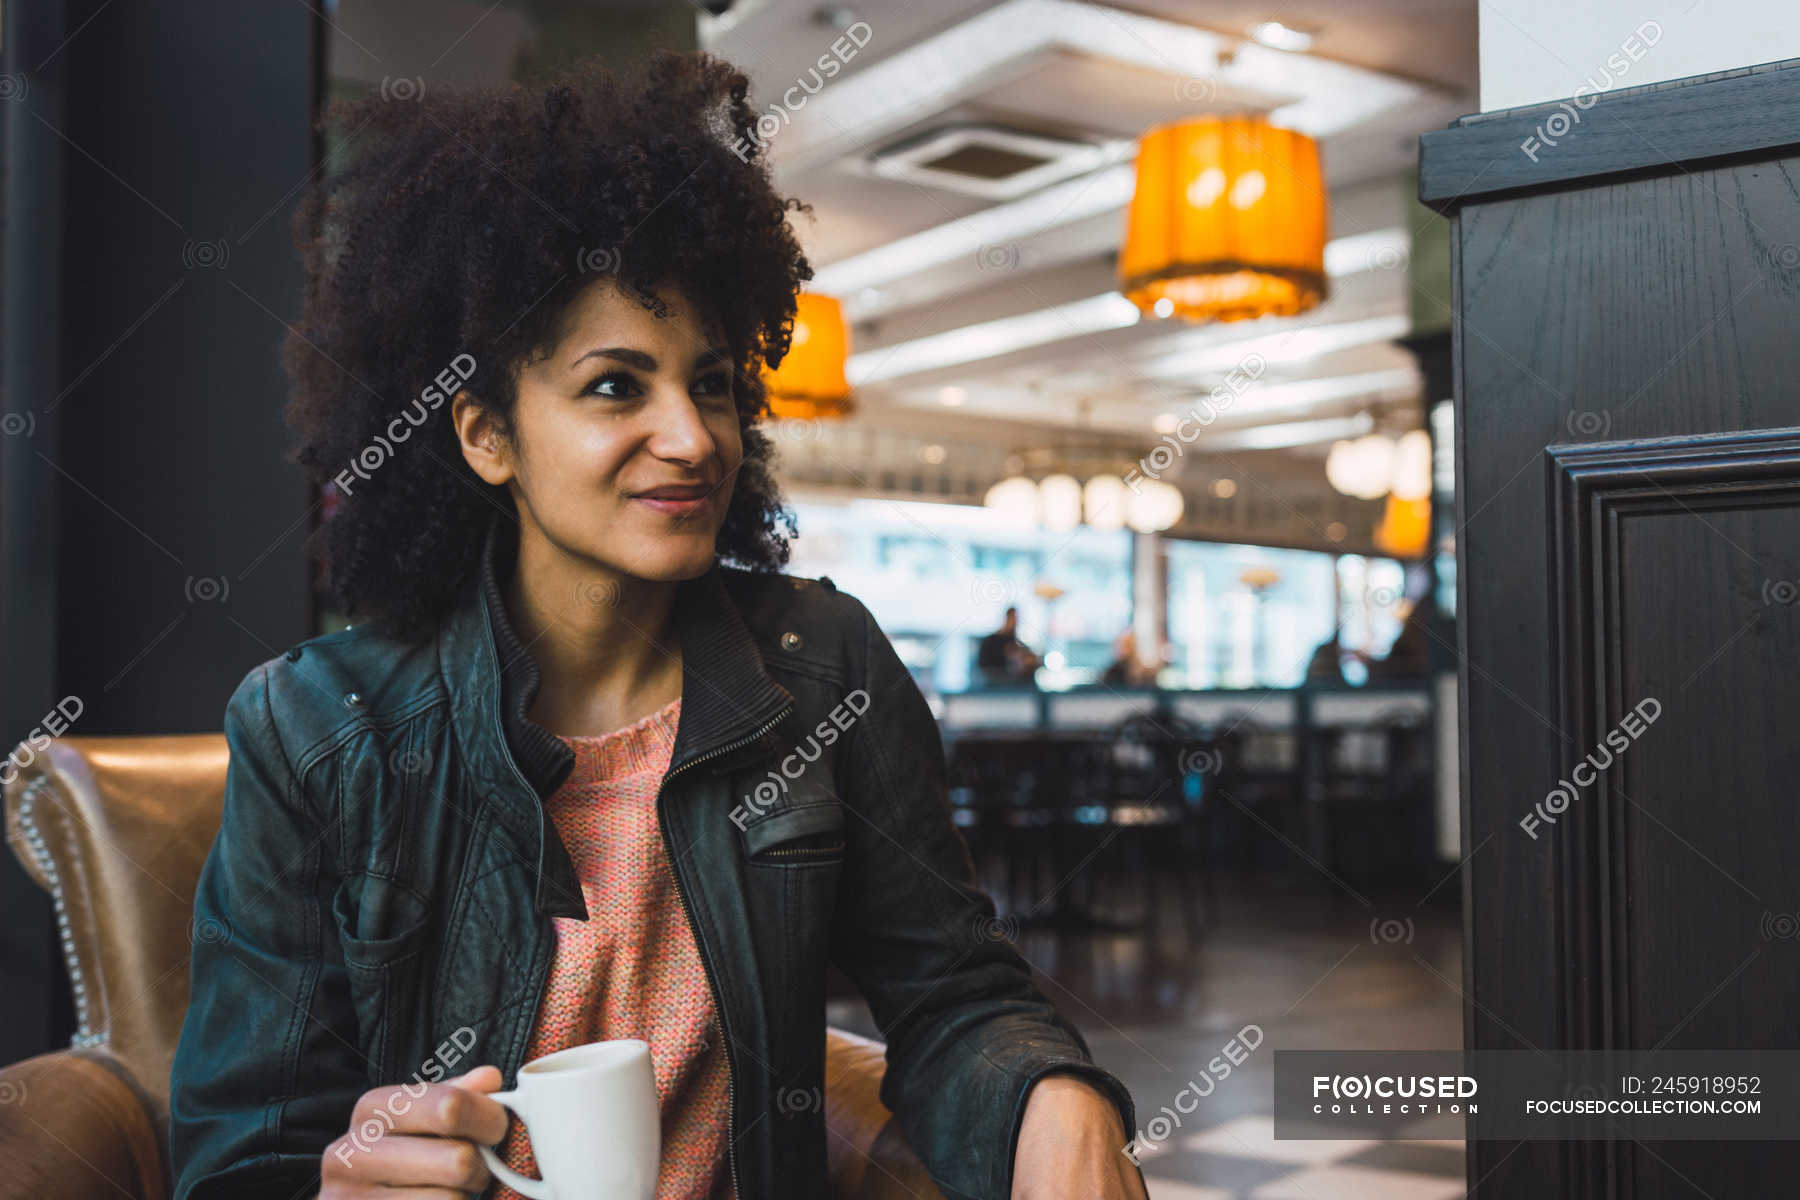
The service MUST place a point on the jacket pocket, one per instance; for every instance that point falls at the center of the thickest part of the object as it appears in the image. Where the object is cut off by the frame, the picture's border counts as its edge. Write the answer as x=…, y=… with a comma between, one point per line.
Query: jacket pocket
x=379, y=920
x=811, y=833
x=795, y=856
x=382, y=926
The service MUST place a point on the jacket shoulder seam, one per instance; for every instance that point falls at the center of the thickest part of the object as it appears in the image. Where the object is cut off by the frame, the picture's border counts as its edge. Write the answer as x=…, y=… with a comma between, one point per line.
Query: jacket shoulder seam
x=766, y=631
x=811, y=668
x=342, y=734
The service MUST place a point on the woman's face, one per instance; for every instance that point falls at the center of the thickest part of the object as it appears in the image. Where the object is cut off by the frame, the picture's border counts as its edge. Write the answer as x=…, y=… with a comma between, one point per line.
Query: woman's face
x=625, y=440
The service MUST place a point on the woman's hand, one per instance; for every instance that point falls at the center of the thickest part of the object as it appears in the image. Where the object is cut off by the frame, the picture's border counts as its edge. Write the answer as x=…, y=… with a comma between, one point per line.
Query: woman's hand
x=423, y=1142
x=1072, y=1145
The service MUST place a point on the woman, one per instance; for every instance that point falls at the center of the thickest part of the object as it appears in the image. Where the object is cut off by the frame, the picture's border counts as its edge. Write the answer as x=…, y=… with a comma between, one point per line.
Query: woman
x=587, y=765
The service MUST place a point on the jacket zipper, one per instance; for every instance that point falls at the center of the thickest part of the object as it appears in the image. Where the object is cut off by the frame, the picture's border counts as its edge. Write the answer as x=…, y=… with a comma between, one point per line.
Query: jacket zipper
x=700, y=941
x=805, y=852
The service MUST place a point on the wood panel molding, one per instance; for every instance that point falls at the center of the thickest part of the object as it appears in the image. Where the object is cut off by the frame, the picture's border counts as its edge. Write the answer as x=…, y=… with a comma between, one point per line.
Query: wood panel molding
x=1594, y=488
x=1658, y=128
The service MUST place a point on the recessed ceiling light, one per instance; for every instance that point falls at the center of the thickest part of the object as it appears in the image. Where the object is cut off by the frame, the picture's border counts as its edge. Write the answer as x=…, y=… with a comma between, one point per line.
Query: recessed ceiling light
x=953, y=396
x=933, y=453
x=1285, y=434
x=991, y=339
x=1166, y=422
x=1224, y=489
x=1277, y=36
x=1294, y=345
x=834, y=16
x=1094, y=314
x=1164, y=307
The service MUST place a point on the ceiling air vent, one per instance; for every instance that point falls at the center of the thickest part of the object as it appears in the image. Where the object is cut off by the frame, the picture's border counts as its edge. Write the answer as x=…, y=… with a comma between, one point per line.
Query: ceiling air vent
x=989, y=161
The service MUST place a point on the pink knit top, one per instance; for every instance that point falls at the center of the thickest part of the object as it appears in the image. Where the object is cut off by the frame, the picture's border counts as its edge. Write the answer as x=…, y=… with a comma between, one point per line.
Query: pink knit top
x=632, y=970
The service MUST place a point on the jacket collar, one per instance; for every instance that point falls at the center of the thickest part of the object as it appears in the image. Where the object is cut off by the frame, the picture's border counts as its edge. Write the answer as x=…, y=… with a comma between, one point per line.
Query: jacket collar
x=727, y=695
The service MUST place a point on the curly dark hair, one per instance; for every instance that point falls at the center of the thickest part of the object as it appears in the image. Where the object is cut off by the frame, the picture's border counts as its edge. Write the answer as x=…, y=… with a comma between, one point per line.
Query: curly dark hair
x=461, y=226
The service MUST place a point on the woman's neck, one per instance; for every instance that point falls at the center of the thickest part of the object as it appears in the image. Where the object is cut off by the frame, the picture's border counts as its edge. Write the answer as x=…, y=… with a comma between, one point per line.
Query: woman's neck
x=604, y=642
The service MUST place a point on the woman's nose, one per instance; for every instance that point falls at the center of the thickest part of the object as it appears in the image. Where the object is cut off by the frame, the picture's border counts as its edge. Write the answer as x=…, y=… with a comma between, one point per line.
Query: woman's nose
x=678, y=429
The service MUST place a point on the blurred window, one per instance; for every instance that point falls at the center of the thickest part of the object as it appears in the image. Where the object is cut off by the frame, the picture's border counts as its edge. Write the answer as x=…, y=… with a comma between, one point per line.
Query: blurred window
x=1252, y=616
x=939, y=577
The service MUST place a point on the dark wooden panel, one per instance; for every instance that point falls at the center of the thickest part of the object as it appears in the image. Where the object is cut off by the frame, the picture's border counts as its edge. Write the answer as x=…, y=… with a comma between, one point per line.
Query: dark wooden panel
x=1675, y=867
x=1751, y=111
x=1593, y=316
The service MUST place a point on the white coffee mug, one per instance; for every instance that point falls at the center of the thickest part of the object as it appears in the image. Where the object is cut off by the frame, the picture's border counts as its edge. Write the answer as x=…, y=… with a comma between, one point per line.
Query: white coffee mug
x=594, y=1125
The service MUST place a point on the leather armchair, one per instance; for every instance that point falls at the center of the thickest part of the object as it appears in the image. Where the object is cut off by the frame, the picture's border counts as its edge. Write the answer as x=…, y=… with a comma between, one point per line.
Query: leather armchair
x=116, y=830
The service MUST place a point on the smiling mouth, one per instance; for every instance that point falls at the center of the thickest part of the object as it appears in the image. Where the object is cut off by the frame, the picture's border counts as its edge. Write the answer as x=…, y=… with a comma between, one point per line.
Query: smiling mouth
x=676, y=491
x=677, y=500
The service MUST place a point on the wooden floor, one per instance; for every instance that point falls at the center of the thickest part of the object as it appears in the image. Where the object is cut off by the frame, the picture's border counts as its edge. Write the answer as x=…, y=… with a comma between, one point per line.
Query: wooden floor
x=1313, y=968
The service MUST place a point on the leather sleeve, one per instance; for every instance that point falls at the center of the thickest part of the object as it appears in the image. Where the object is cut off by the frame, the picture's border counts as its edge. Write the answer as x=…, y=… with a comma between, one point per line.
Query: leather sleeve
x=968, y=1031
x=267, y=1068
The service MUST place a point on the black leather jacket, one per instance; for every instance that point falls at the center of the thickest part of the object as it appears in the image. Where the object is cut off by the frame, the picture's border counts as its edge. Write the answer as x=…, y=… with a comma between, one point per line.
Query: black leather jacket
x=376, y=908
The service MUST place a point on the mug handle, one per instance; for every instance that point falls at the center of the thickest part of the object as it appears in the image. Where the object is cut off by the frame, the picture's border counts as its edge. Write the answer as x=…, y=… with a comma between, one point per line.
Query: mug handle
x=537, y=1189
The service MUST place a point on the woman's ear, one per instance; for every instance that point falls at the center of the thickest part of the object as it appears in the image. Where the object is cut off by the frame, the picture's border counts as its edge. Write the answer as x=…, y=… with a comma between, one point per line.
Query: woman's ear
x=485, y=447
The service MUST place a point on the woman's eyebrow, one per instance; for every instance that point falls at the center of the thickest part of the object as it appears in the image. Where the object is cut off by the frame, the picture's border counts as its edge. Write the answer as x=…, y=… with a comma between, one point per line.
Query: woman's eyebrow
x=711, y=356
x=624, y=354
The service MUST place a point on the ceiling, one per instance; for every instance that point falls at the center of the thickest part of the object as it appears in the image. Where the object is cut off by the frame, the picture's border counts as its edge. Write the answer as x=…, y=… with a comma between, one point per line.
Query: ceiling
x=994, y=322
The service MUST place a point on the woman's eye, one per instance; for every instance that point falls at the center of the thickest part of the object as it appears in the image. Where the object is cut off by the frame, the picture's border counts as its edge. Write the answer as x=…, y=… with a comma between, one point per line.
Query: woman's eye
x=616, y=384
x=716, y=384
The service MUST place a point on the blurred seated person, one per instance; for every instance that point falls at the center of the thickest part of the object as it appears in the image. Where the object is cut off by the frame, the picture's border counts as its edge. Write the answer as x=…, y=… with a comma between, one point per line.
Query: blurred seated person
x=1002, y=658
x=1327, y=662
x=1407, y=658
x=1126, y=670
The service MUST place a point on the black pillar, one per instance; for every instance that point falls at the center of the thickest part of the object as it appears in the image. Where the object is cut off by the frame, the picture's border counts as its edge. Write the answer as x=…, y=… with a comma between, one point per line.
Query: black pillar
x=152, y=535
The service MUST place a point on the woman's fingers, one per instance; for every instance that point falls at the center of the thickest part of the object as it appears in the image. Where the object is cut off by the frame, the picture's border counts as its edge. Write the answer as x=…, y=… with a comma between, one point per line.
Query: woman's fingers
x=418, y=1136
x=485, y=1078
x=380, y=1192
x=411, y=1160
x=445, y=1109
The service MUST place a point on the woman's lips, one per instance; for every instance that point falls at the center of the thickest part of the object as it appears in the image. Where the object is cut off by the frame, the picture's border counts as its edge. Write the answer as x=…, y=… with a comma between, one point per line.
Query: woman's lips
x=676, y=506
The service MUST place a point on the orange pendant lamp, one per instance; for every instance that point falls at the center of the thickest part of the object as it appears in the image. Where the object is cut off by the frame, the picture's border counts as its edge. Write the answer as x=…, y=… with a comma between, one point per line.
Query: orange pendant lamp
x=1227, y=222
x=810, y=381
x=1405, y=527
